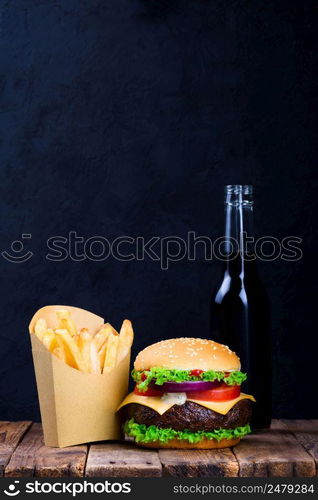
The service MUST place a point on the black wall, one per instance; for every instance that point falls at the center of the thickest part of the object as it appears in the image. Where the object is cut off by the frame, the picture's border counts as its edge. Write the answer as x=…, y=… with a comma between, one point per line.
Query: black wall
x=127, y=117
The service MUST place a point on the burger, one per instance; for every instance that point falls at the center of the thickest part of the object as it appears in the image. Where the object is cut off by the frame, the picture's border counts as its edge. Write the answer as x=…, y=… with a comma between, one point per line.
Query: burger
x=187, y=395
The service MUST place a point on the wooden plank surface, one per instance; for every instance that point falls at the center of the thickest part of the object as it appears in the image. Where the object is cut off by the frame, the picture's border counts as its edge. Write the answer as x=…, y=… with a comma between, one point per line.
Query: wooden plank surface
x=290, y=448
x=199, y=463
x=122, y=460
x=306, y=433
x=11, y=434
x=32, y=458
x=273, y=453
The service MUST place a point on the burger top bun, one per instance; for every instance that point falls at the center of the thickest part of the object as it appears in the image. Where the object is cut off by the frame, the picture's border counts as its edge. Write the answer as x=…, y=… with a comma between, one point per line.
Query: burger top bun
x=188, y=354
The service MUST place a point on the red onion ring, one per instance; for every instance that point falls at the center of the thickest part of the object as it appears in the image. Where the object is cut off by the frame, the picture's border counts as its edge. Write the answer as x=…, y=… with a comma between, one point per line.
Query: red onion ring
x=189, y=386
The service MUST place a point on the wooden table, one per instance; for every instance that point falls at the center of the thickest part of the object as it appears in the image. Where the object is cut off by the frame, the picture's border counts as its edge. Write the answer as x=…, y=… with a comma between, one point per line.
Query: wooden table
x=289, y=448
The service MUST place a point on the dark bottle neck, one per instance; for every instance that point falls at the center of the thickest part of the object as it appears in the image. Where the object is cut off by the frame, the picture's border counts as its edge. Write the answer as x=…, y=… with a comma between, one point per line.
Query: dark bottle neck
x=238, y=229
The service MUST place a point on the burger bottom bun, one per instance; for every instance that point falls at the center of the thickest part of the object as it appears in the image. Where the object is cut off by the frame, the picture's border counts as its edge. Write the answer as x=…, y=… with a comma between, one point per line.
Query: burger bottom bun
x=205, y=444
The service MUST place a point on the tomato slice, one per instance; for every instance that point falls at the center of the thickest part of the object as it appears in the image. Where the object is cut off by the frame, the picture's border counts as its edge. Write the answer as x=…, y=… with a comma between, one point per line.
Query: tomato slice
x=149, y=392
x=196, y=373
x=223, y=392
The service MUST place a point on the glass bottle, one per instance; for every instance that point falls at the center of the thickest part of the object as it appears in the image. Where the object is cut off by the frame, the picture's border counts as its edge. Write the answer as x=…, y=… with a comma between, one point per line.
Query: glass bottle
x=240, y=313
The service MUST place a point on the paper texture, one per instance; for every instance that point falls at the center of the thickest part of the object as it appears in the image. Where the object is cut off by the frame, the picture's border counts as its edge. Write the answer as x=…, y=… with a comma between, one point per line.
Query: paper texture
x=76, y=407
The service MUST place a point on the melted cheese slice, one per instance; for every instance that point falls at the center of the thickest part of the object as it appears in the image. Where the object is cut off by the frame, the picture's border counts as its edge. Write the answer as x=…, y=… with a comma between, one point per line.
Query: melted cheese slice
x=161, y=406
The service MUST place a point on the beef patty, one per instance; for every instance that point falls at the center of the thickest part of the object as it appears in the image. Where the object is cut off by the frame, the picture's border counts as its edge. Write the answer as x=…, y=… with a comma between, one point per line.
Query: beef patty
x=192, y=416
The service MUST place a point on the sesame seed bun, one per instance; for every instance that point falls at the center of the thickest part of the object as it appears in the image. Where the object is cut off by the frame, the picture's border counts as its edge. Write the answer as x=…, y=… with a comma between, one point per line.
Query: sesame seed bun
x=187, y=353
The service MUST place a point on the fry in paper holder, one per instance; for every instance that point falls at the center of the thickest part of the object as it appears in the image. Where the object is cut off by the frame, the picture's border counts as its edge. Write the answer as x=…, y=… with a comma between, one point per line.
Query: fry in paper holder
x=76, y=406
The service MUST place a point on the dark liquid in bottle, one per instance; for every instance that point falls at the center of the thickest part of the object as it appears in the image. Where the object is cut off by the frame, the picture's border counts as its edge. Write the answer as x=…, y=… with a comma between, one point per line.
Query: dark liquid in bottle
x=240, y=318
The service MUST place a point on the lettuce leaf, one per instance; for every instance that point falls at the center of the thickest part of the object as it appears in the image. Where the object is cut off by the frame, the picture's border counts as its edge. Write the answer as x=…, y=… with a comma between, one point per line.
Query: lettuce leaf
x=162, y=375
x=143, y=434
x=235, y=378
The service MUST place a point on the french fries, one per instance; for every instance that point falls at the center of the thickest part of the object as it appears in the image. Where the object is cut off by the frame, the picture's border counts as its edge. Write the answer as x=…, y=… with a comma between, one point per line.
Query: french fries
x=100, y=343
x=84, y=345
x=49, y=339
x=88, y=352
x=126, y=337
x=95, y=364
x=100, y=339
x=111, y=329
x=73, y=354
x=111, y=352
x=66, y=321
x=60, y=353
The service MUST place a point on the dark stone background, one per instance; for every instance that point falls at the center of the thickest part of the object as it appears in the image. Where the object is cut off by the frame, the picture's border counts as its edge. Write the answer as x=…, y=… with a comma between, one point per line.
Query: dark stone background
x=127, y=117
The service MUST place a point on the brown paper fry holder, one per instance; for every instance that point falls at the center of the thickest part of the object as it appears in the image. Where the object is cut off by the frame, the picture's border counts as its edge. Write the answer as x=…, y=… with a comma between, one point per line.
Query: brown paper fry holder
x=76, y=407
